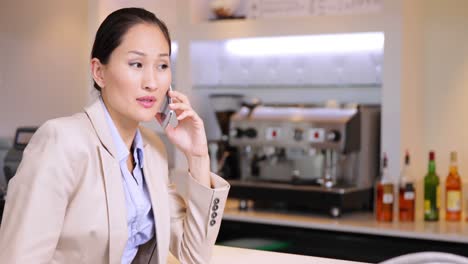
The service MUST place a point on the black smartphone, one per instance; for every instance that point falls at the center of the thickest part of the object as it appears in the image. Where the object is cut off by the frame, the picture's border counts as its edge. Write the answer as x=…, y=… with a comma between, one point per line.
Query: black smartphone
x=168, y=116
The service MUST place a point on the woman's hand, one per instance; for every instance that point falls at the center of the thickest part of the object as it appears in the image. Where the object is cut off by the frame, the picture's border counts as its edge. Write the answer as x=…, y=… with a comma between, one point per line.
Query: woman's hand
x=189, y=135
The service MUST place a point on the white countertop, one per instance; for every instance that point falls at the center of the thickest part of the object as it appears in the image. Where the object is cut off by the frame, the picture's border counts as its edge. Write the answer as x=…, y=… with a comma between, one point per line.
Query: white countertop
x=355, y=222
x=232, y=255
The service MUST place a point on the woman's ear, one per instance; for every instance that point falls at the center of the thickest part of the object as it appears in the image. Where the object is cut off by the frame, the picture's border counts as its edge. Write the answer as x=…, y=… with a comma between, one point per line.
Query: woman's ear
x=97, y=71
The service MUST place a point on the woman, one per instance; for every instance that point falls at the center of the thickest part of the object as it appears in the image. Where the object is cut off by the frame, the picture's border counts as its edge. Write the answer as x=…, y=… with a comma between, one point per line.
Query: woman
x=94, y=187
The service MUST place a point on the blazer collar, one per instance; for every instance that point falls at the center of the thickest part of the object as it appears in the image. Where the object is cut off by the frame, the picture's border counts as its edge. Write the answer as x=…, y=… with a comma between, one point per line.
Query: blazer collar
x=96, y=114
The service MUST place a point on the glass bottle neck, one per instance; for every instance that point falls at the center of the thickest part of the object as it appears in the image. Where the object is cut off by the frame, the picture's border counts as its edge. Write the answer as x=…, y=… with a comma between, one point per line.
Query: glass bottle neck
x=453, y=168
x=432, y=167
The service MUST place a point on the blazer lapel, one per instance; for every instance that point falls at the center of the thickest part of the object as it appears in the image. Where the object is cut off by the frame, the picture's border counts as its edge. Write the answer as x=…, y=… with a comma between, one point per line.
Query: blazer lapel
x=112, y=176
x=97, y=117
x=116, y=211
x=159, y=200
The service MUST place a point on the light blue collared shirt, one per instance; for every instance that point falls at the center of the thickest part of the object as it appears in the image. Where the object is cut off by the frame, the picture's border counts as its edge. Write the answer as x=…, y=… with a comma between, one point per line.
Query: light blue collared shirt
x=140, y=220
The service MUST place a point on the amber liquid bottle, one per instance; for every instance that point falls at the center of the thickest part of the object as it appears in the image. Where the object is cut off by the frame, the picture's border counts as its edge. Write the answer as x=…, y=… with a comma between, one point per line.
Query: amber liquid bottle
x=453, y=198
x=406, y=197
x=384, y=195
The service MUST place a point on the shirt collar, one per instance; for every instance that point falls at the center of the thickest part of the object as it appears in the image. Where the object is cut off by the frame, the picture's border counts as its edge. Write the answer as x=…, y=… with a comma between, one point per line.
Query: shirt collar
x=122, y=151
x=138, y=148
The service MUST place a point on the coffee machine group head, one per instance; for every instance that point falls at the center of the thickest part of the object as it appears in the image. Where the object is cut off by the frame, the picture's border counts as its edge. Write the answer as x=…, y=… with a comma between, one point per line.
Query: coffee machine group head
x=223, y=157
x=224, y=106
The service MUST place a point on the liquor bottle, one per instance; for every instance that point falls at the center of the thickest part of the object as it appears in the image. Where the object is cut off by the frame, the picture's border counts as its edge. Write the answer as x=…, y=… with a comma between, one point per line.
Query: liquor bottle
x=406, y=195
x=453, y=194
x=431, y=191
x=385, y=193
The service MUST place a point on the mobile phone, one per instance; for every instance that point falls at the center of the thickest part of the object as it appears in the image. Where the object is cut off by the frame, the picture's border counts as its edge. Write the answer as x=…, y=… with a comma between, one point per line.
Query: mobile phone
x=168, y=116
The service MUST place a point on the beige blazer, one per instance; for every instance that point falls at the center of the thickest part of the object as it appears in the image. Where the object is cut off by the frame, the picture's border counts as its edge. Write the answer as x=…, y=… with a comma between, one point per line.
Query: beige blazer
x=66, y=203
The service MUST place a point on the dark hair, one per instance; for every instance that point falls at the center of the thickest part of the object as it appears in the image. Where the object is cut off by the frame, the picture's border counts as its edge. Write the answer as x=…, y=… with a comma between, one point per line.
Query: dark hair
x=115, y=26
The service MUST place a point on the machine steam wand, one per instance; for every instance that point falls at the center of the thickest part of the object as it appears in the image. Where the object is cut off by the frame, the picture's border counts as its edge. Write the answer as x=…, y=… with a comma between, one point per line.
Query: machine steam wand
x=328, y=179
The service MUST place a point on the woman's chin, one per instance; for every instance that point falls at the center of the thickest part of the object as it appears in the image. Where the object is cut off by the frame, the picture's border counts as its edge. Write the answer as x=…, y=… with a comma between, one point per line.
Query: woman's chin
x=147, y=118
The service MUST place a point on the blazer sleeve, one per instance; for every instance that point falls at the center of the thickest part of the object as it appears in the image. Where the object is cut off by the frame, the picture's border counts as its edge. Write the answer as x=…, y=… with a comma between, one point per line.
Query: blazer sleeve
x=37, y=199
x=196, y=213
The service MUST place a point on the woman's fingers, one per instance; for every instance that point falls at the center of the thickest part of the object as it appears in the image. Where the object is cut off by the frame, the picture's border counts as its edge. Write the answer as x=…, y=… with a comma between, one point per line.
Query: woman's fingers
x=183, y=110
x=185, y=114
x=180, y=106
x=179, y=96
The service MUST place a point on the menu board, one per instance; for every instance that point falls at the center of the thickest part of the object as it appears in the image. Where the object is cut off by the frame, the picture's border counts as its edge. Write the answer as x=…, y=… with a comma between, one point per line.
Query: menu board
x=277, y=8
x=338, y=7
x=281, y=8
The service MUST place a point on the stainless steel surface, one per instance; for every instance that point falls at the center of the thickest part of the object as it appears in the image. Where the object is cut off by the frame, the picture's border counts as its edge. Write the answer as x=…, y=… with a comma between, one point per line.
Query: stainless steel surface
x=285, y=186
x=332, y=146
x=319, y=128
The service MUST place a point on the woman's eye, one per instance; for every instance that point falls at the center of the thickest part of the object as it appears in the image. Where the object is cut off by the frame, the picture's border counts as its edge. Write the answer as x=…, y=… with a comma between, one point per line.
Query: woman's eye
x=163, y=66
x=136, y=64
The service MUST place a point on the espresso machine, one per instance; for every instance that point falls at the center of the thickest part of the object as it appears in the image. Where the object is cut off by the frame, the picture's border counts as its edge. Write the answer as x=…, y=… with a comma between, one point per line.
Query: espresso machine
x=304, y=157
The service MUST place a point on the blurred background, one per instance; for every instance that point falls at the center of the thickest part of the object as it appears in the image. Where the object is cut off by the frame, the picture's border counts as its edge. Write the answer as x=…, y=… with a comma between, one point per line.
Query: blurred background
x=407, y=59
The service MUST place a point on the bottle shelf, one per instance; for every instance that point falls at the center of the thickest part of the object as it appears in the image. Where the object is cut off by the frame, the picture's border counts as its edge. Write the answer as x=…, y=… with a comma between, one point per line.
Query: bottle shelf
x=288, y=26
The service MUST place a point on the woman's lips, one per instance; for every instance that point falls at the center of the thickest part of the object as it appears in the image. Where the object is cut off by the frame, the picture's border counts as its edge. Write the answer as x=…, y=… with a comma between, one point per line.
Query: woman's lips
x=147, y=101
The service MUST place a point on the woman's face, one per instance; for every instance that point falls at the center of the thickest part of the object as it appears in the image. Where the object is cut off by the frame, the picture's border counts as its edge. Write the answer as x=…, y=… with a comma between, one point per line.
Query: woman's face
x=137, y=75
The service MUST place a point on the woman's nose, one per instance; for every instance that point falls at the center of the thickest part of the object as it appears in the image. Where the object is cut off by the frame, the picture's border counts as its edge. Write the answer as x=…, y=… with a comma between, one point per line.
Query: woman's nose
x=150, y=80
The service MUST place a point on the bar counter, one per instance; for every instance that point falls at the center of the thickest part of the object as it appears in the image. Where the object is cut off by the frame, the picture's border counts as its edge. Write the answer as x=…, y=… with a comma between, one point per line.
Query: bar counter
x=356, y=222
x=232, y=255
x=355, y=236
